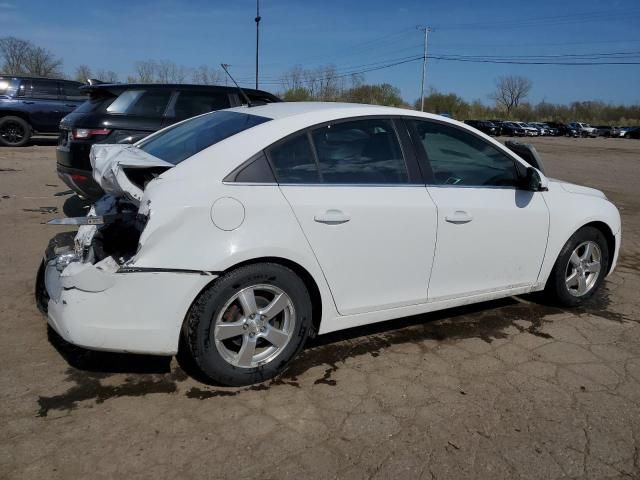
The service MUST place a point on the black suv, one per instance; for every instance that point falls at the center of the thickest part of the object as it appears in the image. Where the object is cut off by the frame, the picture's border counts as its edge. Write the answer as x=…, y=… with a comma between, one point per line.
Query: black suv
x=126, y=113
x=485, y=126
x=31, y=105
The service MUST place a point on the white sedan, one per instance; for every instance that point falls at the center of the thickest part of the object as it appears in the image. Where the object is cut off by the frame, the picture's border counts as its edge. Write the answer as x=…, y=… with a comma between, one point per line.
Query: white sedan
x=245, y=231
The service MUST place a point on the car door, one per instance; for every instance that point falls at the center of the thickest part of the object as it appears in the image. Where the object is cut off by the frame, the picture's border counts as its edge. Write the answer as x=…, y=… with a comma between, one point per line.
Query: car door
x=492, y=235
x=44, y=103
x=364, y=210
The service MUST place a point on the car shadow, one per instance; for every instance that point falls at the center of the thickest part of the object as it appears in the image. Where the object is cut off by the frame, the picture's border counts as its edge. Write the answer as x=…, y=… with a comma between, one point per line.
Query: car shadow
x=43, y=141
x=107, y=362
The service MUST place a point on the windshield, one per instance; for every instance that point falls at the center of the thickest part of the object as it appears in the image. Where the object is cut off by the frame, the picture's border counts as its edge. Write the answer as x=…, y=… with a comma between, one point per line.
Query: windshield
x=185, y=139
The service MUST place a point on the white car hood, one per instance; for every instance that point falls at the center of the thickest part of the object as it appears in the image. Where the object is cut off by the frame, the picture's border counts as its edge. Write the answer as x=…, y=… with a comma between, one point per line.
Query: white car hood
x=573, y=188
x=108, y=162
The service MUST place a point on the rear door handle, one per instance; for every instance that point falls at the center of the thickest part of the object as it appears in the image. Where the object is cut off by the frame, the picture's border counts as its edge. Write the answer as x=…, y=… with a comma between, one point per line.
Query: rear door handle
x=70, y=105
x=459, y=217
x=27, y=102
x=332, y=217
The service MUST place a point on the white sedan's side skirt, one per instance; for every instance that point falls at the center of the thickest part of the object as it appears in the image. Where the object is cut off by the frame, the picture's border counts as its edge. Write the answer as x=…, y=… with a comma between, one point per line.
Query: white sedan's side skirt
x=349, y=321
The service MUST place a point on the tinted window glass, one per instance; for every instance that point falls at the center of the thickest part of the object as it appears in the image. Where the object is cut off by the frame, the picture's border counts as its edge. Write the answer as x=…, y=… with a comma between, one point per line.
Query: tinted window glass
x=183, y=140
x=258, y=171
x=72, y=91
x=190, y=104
x=361, y=151
x=293, y=161
x=146, y=103
x=44, y=89
x=460, y=158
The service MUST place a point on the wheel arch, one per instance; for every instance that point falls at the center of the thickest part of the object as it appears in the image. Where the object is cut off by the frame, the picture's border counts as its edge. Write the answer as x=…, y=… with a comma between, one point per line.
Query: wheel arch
x=608, y=235
x=17, y=113
x=303, y=273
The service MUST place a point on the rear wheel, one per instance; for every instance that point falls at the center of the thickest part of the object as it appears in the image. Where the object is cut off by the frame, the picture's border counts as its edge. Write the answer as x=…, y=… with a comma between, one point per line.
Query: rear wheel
x=249, y=324
x=580, y=268
x=14, y=132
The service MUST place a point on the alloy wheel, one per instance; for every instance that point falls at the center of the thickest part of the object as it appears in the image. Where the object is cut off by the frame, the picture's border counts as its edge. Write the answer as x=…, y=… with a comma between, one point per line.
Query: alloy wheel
x=254, y=326
x=583, y=268
x=12, y=132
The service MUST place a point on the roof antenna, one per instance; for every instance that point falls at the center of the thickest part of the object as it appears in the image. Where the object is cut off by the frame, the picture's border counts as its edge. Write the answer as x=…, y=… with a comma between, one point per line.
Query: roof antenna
x=244, y=95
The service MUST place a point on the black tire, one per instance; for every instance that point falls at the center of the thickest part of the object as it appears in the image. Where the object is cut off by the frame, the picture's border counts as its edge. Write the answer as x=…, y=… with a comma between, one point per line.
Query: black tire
x=556, y=288
x=14, y=132
x=200, y=322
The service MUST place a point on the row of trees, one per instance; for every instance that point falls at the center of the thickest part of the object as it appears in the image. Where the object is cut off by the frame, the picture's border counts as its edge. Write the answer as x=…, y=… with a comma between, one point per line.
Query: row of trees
x=325, y=83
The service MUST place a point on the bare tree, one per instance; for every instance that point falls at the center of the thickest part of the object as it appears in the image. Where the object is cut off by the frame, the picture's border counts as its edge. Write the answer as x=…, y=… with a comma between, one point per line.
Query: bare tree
x=14, y=53
x=205, y=75
x=83, y=73
x=510, y=91
x=108, y=76
x=168, y=72
x=293, y=79
x=22, y=57
x=146, y=71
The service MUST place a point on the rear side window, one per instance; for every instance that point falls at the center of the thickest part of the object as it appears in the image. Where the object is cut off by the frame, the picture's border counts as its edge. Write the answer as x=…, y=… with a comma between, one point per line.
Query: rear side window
x=5, y=83
x=360, y=152
x=181, y=141
x=72, y=91
x=293, y=161
x=144, y=103
x=191, y=104
x=43, y=89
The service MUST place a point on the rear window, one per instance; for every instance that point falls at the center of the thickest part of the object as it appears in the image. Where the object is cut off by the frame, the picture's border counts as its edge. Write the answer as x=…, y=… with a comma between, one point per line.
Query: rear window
x=185, y=139
x=145, y=103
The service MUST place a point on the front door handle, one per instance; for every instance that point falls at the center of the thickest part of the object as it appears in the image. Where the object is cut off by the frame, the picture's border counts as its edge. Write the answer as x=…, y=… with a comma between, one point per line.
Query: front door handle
x=26, y=102
x=332, y=217
x=70, y=105
x=459, y=217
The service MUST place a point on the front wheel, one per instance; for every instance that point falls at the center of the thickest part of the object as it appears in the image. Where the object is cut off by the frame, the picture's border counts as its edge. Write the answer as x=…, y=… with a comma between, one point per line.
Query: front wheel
x=249, y=324
x=580, y=268
x=14, y=132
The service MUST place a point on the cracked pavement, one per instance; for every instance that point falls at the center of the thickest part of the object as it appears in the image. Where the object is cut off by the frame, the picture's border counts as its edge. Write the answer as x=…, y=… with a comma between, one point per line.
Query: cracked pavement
x=508, y=389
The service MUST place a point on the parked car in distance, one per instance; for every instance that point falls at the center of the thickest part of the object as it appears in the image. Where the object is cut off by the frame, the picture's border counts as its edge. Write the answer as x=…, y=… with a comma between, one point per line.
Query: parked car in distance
x=243, y=232
x=606, y=131
x=544, y=129
x=528, y=130
x=32, y=105
x=512, y=129
x=485, y=126
x=633, y=133
x=563, y=129
x=584, y=129
x=126, y=113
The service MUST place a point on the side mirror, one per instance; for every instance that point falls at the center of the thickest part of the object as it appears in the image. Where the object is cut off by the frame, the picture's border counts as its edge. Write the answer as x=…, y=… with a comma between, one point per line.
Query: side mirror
x=535, y=182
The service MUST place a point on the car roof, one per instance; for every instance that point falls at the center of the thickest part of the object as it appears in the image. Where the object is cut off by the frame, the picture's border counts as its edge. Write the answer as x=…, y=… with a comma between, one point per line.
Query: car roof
x=331, y=111
x=119, y=87
x=25, y=77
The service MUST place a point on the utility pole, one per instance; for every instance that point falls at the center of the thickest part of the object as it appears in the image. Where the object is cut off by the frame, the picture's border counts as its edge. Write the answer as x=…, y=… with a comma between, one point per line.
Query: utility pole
x=426, y=31
x=258, y=18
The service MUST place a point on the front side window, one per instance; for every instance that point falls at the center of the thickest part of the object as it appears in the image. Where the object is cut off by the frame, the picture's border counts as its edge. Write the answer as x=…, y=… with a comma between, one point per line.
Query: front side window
x=183, y=140
x=145, y=103
x=461, y=158
x=44, y=89
x=360, y=152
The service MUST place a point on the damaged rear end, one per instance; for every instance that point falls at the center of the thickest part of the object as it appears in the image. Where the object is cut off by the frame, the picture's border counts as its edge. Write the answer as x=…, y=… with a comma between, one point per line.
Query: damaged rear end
x=87, y=284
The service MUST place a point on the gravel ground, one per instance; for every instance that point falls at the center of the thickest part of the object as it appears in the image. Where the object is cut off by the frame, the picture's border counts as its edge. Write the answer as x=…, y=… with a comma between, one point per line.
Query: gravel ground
x=508, y=389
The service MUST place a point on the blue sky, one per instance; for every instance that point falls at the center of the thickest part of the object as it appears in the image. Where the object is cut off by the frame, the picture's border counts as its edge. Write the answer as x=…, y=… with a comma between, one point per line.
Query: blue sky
x=115, y=34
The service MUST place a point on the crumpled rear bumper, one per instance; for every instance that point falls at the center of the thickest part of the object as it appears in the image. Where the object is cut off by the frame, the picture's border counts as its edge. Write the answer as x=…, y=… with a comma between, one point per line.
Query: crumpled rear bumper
x=100, y=308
